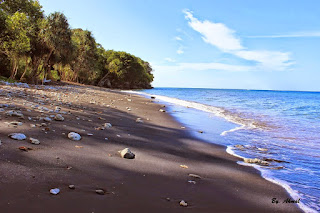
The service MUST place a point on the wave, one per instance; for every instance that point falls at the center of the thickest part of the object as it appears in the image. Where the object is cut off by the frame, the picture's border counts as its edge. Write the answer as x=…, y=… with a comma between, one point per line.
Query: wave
x=234, y=117
x=267, y=175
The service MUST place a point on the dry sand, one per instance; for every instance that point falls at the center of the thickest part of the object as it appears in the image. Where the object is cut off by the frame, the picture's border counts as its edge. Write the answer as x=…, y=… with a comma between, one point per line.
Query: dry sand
x=152, y=182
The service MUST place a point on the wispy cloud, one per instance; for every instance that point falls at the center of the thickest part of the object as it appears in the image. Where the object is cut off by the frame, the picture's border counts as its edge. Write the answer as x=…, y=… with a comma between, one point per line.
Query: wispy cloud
x=289, y=35
x=202, y=67
x=180, y=50
x=220, y=36
x=170, y=60
x=178, y=38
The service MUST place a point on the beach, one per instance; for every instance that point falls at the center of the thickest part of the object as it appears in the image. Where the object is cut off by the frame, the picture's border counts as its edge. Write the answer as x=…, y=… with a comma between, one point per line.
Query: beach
x=156, y=180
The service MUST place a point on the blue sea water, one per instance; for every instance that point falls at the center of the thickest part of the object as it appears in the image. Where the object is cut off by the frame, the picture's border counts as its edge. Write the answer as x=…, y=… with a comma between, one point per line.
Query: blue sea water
x=281, y=125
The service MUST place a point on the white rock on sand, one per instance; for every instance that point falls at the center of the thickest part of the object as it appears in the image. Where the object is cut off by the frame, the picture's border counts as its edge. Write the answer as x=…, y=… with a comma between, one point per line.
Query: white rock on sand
x=139, y=120
x=17, y=136
x=107, y=125
x=59, y=117
x=74, y=136
x=34, y=141
x=55, y=191
x=126, y=153
x=183, y=203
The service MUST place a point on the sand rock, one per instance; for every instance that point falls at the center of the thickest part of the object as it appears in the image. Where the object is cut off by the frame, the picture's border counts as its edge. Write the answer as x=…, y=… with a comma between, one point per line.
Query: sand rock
x=256, y=161
x=107, y=125
x=15, y=123
x=139, y=120
x=183, y=203
x=47, y=119
x=17, y=136
x=14, y=113
x=55, y=191
x=100, y=191
x=59, y=117
x=194, y=176
x=239, y=146
x=161, y=110
x=74, y=136
x=34, y=141
x=57, y=109
x=126, y=153
x=275, y=160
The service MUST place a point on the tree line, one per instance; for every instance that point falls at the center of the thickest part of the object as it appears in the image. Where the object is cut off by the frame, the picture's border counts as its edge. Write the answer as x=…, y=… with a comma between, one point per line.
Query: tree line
x=34, y=47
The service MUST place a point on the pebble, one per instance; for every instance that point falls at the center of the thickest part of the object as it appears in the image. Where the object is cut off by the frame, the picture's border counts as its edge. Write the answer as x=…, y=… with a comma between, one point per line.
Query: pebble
x=72, y=187
x=34, y=141
x=17, y=136
x=16, y=123
x=14, y=113
x=139, y=120
x=47, y=119
x=107, y=125
x=57, y=109
x=59, y=117
x=183, y=203
x=194, y=176
x=100, y=191
x=126, y=153
x=74, y=136
x=256, y=161
x=55, y=191
x=161, y=110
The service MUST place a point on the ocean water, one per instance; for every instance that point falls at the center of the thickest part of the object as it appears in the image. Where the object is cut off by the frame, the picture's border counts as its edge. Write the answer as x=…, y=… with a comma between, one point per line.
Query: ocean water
x=280, y=125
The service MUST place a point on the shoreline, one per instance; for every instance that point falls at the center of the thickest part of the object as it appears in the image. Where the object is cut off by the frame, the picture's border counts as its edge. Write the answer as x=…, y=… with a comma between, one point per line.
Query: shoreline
x=144, y=183
x=265, y=174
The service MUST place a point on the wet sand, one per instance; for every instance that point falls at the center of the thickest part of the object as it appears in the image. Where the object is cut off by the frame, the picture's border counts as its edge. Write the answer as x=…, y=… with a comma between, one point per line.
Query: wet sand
x=152, y=182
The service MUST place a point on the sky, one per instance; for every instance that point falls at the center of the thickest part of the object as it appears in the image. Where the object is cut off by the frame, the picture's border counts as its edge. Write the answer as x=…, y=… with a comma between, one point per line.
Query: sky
x=230, y=44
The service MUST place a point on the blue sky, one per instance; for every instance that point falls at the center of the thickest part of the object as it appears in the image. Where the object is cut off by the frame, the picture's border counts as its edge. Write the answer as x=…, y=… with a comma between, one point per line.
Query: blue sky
x=245, y=44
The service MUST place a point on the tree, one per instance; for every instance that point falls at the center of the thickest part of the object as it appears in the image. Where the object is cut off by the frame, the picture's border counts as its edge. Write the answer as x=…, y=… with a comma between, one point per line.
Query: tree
x=84, y=63
x=57, y=37
x=17, y=43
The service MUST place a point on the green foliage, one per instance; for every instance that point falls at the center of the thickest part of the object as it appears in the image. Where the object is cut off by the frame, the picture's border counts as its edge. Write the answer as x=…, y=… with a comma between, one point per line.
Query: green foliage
x=34, y=46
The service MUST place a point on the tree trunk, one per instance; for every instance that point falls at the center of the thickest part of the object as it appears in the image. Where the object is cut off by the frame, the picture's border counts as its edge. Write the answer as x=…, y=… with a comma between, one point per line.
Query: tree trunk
x=103, y=80
x=14, y=62
x=47, y=65
x=25, y=69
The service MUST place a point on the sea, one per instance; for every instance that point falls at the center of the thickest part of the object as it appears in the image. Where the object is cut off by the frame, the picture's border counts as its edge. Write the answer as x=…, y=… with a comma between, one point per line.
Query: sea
x=280, y=126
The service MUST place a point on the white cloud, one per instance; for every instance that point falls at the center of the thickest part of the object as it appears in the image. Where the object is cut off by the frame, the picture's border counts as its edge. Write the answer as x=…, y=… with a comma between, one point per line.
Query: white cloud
x=220, y=36
x=180, y=50
x=289, y=35
x=216, y=34
x=170, y=60
x=267, y=60
x=178, y=38
x=202, y=67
